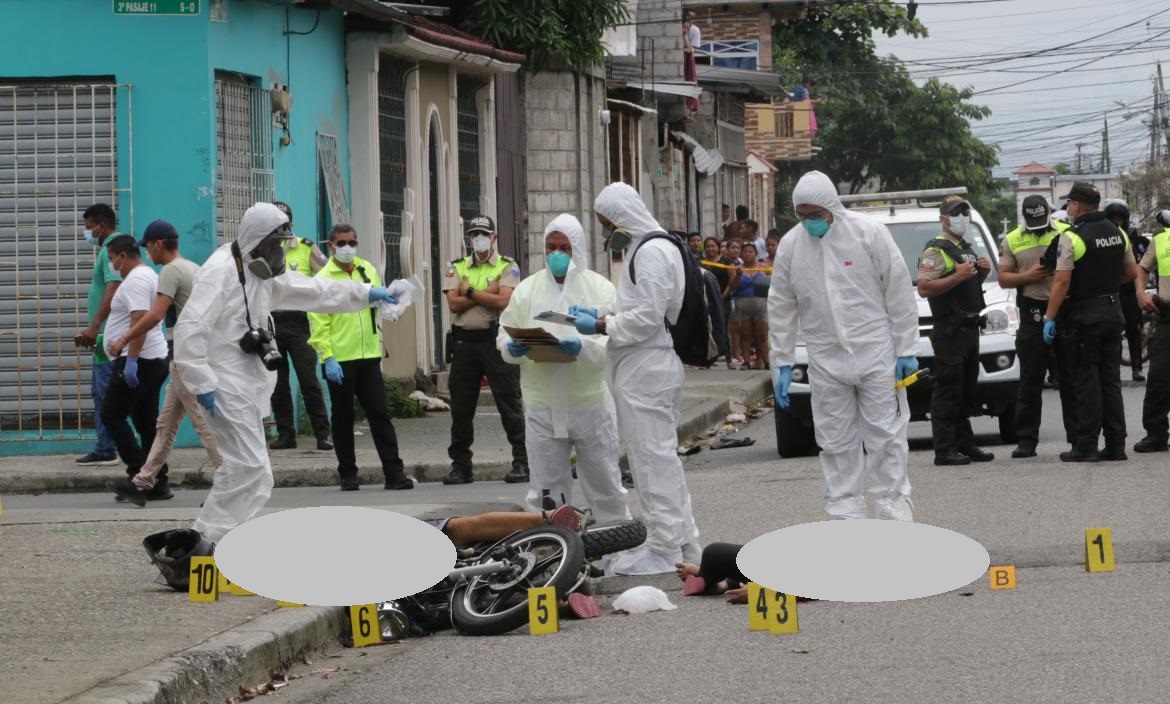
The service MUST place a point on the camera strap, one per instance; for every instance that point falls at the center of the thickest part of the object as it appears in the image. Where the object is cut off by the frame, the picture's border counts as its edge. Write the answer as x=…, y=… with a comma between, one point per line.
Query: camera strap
x=373, y=316
x=240, y=272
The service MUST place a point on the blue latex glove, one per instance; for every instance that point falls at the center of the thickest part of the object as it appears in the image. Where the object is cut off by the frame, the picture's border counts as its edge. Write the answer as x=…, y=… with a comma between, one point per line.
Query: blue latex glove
x=579, y=309
x=570, y=346
x=586, y=323
x=130, y=372
x=904, y=367
x=333, y=371
x=377, y=293
x=517, y=349
x=207, y=400
x=780, y=385
x=1049, y=331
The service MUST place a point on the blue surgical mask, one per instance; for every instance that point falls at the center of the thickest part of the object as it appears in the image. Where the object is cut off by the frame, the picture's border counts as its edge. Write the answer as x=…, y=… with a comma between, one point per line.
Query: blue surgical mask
x=558, y=264
x=89, y=237
x=816, y=228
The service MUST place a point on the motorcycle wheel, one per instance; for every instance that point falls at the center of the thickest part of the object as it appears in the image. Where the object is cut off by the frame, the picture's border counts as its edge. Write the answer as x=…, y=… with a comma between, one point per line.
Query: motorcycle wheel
x=606, y=538
x=497, y=603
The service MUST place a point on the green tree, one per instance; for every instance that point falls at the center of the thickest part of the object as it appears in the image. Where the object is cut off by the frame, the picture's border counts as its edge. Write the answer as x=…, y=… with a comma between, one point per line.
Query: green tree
x=569, y=30
x=877, y=127
x=1062, y=168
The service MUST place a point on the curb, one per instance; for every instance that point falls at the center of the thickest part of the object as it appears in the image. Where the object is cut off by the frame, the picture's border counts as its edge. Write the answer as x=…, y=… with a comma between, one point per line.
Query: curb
x=247, y=654
x=704, y=413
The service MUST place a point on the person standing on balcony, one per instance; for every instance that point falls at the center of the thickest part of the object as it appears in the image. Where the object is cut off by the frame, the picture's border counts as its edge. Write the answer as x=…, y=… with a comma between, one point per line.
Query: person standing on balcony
x=692, y=37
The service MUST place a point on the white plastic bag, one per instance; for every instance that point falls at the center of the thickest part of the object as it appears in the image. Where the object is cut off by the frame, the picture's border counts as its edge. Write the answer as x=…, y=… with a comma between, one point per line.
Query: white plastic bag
x=643, y=600
x=405, y=290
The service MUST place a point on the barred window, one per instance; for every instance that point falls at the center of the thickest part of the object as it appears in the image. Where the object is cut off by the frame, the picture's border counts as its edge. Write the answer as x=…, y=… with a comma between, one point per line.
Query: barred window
x=469, y=143
x=243, y=139
x=392, y=158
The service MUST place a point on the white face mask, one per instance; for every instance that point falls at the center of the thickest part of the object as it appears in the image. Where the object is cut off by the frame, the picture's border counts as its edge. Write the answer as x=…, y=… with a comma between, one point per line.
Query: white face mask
x=345, y=253
x=959, y=224
x=481, y=243
x=90, y=237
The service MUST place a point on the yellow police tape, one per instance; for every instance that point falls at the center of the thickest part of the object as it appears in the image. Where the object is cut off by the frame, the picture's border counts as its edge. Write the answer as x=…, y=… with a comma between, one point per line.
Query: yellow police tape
x=717, y=265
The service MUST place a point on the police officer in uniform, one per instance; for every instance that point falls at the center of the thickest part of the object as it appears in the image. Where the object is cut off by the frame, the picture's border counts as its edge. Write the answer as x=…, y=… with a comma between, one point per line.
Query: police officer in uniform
x=1156, y=405
x=301, y=257
x=950, y=277
x=478, y=288
x=1118, y=213
x=1092, y=263
x=1023, y=265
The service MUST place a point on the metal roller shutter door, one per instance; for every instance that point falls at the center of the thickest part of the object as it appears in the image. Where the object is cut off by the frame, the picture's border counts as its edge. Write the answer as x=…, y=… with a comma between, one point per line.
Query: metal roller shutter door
x=57, y=157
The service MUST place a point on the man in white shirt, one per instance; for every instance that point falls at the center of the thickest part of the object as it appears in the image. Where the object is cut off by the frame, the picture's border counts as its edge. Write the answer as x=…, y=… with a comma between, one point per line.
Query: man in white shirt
x=140, y=368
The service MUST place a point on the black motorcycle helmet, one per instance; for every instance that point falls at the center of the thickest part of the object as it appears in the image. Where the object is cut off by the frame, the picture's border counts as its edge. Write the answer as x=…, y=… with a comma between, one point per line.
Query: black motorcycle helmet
x=171, y=551
x=1115, y=210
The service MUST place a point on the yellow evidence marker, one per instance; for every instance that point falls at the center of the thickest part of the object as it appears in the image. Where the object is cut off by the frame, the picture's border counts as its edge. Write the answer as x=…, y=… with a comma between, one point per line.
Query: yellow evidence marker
x=287, y=603
x=758, y=604
x=542, y=611
x=1002, y=577
x=783, y=614
x=363, y=621
x=204, y=580
x=237, y=590
x=1099, y=550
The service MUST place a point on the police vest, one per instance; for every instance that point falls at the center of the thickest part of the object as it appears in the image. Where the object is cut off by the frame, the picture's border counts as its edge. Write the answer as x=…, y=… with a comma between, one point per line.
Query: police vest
x=480, y=276
x=300, y=258
x=965, y=298
x=1162, y=252
x=1020, y=239
x=1099, y=250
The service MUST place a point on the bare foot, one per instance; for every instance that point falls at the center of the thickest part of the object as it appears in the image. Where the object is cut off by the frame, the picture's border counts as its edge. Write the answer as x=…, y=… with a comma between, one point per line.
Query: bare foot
x=685, y=569
x=737, y=596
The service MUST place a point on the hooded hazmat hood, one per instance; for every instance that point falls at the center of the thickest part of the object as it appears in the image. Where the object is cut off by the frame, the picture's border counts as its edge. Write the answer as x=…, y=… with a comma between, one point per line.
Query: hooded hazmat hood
x=571, y=228
x=620, y=204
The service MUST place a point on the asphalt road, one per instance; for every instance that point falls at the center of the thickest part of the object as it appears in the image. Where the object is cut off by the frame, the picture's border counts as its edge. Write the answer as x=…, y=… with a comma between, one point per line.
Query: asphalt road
x=1063, y=636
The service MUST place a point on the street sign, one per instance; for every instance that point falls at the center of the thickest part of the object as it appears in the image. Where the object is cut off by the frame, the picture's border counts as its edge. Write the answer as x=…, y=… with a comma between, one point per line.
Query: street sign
x=157, y=7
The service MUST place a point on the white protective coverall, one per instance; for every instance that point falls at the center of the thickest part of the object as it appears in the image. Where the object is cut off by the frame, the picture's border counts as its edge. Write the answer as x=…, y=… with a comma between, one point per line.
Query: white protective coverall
x=646, y=379
x=209, y=358
x=850, y=295
x=567, y=406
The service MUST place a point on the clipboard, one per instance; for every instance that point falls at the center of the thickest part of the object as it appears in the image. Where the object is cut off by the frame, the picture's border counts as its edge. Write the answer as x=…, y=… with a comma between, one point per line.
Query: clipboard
x=550, y=316
x=543, y=345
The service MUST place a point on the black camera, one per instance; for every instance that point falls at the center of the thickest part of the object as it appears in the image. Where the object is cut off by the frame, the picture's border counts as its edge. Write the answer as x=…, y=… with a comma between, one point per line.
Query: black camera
x=260, y=341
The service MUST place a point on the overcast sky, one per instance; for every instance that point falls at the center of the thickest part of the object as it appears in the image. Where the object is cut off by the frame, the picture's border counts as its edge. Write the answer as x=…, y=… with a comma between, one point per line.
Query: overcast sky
x=1056, y=103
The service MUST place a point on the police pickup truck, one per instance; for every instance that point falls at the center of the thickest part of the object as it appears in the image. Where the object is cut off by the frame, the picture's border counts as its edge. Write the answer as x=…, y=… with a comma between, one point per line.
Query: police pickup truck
x=912, y=218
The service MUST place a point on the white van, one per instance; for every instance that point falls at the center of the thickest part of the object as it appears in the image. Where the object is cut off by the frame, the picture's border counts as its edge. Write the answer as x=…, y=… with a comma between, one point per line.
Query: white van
x=912, y=218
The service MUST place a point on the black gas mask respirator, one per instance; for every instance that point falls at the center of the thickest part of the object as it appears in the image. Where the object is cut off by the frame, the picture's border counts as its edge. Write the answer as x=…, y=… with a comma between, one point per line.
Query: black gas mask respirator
x=617, y=239
x=267, y=259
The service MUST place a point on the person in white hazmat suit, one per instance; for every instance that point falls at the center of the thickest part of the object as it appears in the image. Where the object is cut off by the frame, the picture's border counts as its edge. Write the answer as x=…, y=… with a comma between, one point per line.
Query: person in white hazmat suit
x=840, y=280
x=233, y=293
x=566, y=405
x=646, y=379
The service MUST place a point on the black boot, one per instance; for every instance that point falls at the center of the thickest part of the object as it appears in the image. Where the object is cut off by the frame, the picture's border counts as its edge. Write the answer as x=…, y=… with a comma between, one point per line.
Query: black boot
x=1151, y=443
x=283, y=442
x=953, y=457
x=1080, y=456
x=518, y=475
x=323, y=443
x=398, y=481
x=1137, y=373
x=459, y=475
x=161, y=491
x=126, y=490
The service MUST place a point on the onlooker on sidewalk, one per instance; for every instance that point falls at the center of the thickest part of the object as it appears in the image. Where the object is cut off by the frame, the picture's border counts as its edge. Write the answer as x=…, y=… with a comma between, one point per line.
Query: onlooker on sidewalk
x=161, y=241
x=750, y=322
x=1156, y=404
x=771, y=243
x=100, y=224
x=842, y=282
x=350, y=348
x=140, y=368
x=692, y=38
x=221, y=354
x=567, y=407
x=646, y=378
x=478, y=288
x=717, y=263
x=302, y=258
x=695, y=242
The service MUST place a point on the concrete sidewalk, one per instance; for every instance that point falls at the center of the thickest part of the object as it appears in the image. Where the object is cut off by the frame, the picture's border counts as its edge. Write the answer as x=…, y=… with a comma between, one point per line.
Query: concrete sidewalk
x=422, y=442
x=83, y=622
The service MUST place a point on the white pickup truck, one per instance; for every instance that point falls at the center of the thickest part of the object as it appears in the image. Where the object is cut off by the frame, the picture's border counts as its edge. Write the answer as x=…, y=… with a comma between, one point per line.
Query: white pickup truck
x=912, y=218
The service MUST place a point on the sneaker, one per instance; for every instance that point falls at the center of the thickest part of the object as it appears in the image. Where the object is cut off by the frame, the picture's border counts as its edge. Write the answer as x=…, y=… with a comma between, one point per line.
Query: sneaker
x=161, y=491
x=94, y=459
x=125, y=490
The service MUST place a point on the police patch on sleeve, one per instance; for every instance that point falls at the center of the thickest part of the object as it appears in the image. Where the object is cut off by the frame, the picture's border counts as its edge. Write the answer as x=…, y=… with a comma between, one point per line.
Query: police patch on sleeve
x=516, y=270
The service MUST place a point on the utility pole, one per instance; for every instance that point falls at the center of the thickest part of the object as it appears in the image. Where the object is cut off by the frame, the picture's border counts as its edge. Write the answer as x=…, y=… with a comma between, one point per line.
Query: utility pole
x=1164, y=116
x=1079, y=145
x=1105, y=165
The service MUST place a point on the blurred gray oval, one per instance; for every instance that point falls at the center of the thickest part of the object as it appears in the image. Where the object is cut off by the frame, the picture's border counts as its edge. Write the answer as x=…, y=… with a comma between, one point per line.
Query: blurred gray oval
x=335, y=555
x=863, y=560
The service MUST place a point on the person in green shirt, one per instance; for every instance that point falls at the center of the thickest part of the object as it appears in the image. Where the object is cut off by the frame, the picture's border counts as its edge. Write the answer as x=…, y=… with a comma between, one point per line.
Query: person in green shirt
x=101, y=225
x=349, y=346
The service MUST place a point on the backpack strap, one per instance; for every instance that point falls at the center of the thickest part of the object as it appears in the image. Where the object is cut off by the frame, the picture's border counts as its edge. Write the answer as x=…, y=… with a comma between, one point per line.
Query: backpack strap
x=650, y=236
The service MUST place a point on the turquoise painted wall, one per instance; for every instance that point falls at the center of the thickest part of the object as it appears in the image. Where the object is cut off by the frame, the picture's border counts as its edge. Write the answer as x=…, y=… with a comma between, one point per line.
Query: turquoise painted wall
x=169, y=64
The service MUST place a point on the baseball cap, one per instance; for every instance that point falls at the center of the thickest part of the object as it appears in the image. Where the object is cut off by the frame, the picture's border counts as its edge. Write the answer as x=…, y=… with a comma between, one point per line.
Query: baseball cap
x=1036, y=212
x=1083, y=192
x=952, y=205
x=158, y=230
x=480, y=223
